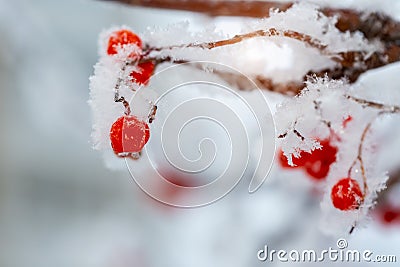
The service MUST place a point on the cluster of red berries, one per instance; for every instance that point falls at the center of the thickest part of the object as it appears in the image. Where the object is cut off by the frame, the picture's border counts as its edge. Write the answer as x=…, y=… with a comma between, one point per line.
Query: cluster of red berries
x=316, y=163
x=346, y=194
x=128, y=134
x=122, y=38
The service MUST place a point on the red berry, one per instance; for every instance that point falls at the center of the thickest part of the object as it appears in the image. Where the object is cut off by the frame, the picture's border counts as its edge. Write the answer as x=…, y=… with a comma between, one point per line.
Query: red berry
x=144, y=74
x=298, y=162
x=128, y=135
x=389, y=216
x=319, y=161
x=122, y=37
x=346, y=194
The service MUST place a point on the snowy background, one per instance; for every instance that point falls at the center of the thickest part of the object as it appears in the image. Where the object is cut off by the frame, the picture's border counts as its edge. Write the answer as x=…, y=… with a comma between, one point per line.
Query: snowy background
x=61, y=206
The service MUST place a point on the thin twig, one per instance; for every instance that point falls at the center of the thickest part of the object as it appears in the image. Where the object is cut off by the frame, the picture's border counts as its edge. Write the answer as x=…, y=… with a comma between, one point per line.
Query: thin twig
x=117, y=97
x=272, y=32
x=366, y=103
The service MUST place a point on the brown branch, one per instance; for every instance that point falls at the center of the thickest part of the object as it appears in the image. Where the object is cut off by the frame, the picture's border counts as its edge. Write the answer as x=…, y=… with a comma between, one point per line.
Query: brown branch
x=350, y=68
x=290, y=88
x=272, y=32
x=373, y=25
x=351, y=64
x=383, y=107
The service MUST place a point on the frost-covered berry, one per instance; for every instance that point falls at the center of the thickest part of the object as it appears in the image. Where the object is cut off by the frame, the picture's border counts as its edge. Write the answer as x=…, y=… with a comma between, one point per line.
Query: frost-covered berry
x=316, y=164
x=298, y=162
x=146, y=69
x=346, y=194
x=120, y=38
x=319, y=161
x=128, y=135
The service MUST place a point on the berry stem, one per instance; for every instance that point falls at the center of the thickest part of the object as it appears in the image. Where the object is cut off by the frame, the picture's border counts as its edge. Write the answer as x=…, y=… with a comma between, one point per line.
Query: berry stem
x=152, y=114
x=125, y=103
x=359, y=159
x=385, y=109
x=360, y=150
x=117, y=97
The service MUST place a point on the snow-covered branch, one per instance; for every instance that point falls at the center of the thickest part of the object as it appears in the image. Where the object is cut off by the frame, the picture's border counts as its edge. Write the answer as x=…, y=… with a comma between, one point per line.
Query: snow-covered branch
x=327, y=128
x=372, y=25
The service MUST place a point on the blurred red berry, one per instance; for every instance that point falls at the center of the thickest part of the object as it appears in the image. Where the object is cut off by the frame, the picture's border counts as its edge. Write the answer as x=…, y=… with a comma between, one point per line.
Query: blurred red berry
x=144, y=74
x=388, y=214
x=122, y=37
x=129, y=135
x=346, y=194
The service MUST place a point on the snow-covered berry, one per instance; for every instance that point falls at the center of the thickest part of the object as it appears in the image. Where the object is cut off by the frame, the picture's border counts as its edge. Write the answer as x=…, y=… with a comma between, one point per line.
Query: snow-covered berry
x=316, y=164
x=346, y=194
x=319, y=161
x=142, y=77
x=128, y=134
x=298, y=162
x=120, y=38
